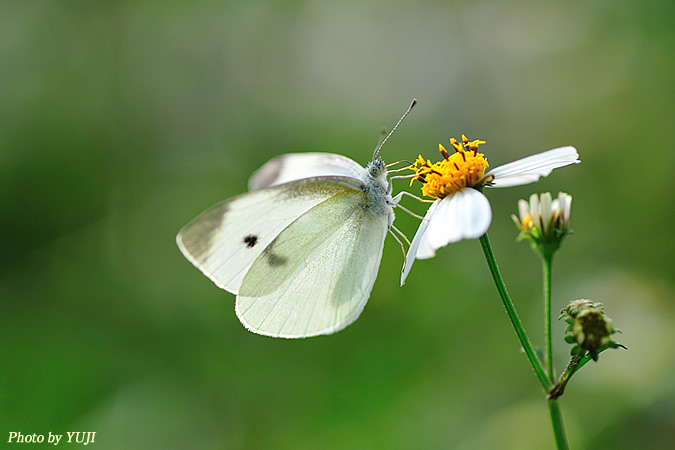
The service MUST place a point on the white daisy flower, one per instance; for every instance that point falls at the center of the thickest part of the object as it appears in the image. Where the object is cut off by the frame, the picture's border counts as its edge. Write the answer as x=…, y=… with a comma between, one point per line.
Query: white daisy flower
x=461, y=211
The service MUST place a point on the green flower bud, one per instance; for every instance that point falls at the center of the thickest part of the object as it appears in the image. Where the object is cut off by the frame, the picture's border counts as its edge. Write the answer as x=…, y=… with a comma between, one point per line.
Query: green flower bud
x=589, y=328
x=577, y=306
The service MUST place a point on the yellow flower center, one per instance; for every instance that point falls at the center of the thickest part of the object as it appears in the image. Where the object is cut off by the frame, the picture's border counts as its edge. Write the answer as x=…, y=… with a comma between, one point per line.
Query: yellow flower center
x=464, y=168
x=528, y=223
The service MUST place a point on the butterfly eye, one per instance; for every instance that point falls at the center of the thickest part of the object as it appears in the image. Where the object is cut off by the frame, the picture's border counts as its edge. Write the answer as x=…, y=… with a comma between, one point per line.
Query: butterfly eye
x=376, y=168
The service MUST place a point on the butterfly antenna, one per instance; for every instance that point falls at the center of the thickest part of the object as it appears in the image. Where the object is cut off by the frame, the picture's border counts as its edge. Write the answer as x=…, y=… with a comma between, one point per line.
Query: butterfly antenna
x=377, y=149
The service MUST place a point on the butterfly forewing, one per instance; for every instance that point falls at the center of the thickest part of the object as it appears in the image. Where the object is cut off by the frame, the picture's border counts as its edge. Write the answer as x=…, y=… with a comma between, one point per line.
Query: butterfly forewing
x=225, y=240
x=316, y=276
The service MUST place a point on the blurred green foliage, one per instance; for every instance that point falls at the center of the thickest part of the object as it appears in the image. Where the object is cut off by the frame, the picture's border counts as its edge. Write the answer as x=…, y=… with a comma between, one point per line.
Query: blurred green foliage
x=121, y=121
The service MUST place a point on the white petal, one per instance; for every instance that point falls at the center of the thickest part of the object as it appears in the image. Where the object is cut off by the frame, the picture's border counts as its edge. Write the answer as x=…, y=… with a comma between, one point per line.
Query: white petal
x=425, y=250
x=555, y=207
x=565, y=207
x=464, y=215
x=535, y=210
x=531, y=168
x=419, y=247
x=523, y=209
x=546, y=209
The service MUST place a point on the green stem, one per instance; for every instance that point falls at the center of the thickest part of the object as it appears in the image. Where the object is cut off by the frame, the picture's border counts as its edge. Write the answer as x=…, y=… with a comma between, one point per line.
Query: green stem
x=572, y=366
x=576, y=362
x=553, y=405
x=547, y=261
x=582, y=361
x=558, y=428
x=539, y=371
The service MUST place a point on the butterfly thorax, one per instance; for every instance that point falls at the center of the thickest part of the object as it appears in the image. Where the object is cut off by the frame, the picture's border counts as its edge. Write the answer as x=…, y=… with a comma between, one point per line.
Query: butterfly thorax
x=377, y=189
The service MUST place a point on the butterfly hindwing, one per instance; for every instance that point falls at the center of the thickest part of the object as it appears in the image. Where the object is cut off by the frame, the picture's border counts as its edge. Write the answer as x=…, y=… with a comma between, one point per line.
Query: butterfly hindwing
x=296, y=166
x=316, y=276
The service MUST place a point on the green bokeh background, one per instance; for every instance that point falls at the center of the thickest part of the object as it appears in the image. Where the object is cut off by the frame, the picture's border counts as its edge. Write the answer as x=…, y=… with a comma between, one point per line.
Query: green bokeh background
x=121, y=121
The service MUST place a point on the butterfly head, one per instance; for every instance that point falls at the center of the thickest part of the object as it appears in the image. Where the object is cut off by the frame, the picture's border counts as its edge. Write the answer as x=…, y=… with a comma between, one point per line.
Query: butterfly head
x=377, y=173
x=377, y=169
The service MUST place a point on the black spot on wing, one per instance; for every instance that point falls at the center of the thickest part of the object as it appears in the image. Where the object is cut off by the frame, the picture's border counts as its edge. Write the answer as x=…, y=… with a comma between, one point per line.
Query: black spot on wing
x=250, y=240
x=276, y=260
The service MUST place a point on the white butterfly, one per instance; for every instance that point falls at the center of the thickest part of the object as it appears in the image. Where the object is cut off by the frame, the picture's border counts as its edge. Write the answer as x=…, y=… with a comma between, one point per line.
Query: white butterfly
x=301, y=250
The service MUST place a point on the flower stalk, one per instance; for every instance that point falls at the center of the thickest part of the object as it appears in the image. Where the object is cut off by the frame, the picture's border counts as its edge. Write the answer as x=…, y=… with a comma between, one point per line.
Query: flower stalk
x=558, y=428
x=539, y=371
x=546, y=380
x=575, y=363
x=572, y=366
x=547, y=262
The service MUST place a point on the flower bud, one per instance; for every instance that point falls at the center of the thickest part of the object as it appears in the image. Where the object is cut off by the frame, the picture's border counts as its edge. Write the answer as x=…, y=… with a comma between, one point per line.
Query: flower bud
x=544, y=221
x=588, y=328
x=577, y=306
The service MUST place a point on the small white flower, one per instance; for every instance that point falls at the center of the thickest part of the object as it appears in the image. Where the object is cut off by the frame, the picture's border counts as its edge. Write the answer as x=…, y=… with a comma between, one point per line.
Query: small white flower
x=461, y=211
x=544, y=217
x=544, y=221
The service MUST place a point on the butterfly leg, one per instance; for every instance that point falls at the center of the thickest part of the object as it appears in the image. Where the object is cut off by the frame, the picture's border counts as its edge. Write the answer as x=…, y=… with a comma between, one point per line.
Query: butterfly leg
x=391, y=231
